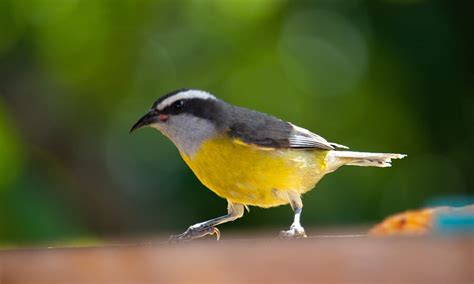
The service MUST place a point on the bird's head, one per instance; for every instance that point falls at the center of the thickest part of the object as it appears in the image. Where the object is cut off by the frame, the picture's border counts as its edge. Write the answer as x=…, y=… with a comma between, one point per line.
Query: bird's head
x=186, y=117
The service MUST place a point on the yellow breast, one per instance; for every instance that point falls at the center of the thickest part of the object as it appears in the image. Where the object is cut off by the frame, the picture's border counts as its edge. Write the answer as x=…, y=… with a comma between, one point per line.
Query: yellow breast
x=255, y=176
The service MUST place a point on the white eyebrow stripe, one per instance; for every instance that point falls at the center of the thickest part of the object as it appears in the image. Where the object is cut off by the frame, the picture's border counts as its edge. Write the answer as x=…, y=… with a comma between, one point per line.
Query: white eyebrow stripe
x=189, y=94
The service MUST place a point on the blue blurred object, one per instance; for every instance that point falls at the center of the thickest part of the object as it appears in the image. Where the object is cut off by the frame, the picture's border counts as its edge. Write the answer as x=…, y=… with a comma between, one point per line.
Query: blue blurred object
x=458, y=220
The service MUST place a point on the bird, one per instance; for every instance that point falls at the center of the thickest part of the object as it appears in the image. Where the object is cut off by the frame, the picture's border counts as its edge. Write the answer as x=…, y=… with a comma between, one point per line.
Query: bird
x=248, y=157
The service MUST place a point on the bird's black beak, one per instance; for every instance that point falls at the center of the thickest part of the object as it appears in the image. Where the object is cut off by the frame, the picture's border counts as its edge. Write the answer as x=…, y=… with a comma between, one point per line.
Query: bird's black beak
x=147, y=119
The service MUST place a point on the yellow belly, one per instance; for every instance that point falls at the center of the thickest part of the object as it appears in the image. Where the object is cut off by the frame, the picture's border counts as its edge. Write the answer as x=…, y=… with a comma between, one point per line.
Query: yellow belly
x=254, y=176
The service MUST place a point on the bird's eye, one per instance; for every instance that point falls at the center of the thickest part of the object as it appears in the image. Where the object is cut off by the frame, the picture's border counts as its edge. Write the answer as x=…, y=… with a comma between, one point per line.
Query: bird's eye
x=179, y=105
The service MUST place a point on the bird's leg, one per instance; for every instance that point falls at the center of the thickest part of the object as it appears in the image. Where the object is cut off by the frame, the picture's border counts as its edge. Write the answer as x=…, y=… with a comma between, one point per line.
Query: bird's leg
x=296, y=230
x=199, y=230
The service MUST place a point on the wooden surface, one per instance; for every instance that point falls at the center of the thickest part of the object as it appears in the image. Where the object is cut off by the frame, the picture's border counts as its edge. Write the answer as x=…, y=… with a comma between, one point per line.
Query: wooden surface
x=311, y=260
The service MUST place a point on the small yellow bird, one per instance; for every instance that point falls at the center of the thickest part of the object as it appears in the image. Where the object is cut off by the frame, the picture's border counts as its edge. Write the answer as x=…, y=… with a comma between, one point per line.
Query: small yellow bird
x=248, y=157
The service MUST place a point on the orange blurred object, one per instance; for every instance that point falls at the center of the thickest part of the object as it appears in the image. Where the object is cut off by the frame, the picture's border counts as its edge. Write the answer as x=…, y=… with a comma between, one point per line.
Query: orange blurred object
x=415, y=222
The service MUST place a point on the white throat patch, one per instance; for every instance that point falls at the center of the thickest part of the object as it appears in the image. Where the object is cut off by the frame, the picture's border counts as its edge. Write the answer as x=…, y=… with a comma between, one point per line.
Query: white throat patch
x=189, y=94
x=187, y=132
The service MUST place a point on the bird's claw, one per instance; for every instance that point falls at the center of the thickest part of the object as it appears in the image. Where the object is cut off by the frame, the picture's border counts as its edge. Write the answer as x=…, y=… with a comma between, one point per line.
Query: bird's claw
x=195, y=233
x=293, y=233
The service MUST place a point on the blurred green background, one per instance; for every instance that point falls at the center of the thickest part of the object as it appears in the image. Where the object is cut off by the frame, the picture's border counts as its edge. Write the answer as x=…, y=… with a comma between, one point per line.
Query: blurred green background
x=387, y=75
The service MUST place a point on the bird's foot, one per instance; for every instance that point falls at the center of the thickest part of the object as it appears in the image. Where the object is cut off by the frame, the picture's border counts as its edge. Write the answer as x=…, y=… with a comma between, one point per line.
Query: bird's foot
x=195, y=233
x=295, y=231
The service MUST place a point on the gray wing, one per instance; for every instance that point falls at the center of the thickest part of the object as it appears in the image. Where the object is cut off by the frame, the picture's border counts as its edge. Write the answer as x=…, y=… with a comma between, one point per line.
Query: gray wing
x=262, y=130
x=303, y=138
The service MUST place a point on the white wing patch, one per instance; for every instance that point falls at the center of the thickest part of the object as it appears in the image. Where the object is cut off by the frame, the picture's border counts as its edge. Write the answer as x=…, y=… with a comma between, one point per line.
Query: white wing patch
x=188, y=94
x=303, y=138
